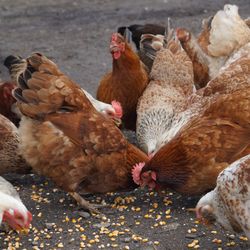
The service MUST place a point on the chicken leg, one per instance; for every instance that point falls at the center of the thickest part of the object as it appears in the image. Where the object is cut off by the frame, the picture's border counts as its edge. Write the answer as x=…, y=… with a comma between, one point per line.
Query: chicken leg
x=85, y=204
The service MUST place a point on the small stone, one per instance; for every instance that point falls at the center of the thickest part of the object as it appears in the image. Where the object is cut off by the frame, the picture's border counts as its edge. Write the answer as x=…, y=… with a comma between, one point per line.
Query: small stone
x=171, y=226
x=83, y=214
x=191, y=236
x=49, y=225
x=100, y=225
x=126, y=239
x=231, y=236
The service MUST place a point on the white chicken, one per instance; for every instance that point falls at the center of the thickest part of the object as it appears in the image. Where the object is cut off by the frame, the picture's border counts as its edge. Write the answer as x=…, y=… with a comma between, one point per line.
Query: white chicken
x=228, y=33
x=12, y=210
x=112, y=111
x=229, y=202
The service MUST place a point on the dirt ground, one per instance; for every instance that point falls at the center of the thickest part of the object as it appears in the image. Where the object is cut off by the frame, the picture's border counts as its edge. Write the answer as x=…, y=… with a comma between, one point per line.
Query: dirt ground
x=75, y=34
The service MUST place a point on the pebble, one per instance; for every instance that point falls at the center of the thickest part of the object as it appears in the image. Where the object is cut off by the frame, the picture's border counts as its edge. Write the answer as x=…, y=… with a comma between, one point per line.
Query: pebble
x=49, y=225
x=126, y=239
x=191, y=236
x=231, y=236
x=171, y=226
x=100, y=225
x=83, y=214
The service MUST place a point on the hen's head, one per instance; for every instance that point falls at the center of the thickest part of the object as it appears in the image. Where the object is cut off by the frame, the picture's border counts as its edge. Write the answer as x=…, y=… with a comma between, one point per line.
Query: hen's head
x=117, y=45
x=147, y=178
x=17, y=219
x=205, y=210
x=114, y=112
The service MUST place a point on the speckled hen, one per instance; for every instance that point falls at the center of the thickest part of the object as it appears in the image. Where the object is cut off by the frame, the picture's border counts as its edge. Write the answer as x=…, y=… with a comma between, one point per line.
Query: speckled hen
x=229, y=202
x=11, y=160
x=171, y=83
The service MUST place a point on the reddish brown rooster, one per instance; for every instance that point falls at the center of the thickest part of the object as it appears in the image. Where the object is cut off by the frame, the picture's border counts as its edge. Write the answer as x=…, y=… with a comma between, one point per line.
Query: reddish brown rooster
x=64, y=137
x=7, y=101
x=126, y=82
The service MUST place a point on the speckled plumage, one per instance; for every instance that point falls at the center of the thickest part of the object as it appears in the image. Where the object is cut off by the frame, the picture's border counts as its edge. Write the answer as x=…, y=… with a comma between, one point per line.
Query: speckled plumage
x=229, y=202
x=10, y=159
x=165, y=97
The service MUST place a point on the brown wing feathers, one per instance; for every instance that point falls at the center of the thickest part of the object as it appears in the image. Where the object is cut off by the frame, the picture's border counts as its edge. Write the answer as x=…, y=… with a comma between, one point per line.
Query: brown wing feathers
x=43, y=89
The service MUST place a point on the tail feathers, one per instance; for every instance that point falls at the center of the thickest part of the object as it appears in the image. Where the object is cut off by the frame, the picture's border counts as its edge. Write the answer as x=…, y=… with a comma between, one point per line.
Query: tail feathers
x=138, y=30
x=15, y=65
x=42, y=88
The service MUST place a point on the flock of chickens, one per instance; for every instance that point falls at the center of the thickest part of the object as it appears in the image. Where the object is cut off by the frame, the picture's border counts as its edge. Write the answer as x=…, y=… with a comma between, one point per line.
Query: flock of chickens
x=187, y=98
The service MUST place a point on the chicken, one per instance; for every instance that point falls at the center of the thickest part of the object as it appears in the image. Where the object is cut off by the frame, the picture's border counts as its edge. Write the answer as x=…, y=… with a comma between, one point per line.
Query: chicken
x=198, y=57
x=126, y=82
x=64, y=138
x=222, y=36
x=228, y=203
x=165, y=97
x=138, y=30
x=10, y=159
x=7, y=101
x=217, y=135
x=113, y=111
x=12, y=210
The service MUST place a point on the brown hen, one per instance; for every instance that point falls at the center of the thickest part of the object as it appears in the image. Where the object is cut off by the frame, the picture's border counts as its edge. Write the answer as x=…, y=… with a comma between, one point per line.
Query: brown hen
x=208, y=143
x=126, y=82
x=215, y=131
x=64, y=137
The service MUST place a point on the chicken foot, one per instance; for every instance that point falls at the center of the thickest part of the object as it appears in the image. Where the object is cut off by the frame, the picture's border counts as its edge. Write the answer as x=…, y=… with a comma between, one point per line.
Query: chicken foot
x=85, y=204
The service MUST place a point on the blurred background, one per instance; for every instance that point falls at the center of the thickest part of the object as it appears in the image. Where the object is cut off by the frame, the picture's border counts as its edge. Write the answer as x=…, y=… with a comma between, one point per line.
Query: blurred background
x=75, y=34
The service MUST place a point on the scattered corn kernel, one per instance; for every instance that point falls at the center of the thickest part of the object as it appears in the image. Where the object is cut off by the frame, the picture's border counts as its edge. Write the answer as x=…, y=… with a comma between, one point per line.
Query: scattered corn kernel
x=60, y=245
x=217, y=241
x=168, y=212
x=243, y=238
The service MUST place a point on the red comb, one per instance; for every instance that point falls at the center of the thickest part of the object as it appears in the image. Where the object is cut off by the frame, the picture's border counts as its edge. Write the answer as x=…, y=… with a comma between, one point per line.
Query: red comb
x=136, y=172
x=118, y=108
x=114, y=37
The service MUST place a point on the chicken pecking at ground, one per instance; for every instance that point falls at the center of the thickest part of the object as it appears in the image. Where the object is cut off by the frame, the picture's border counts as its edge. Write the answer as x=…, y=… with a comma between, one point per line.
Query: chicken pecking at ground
x=7, y=102
x=12, y=210
x=10, y=159
x=228, y=203
x=62, y=135
x=213, y=132
x=126, y=82
x=212, y=139
x=166, y=96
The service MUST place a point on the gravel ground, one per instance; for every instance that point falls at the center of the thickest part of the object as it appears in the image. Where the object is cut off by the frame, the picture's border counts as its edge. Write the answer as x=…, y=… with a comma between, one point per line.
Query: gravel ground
x=75, y=34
